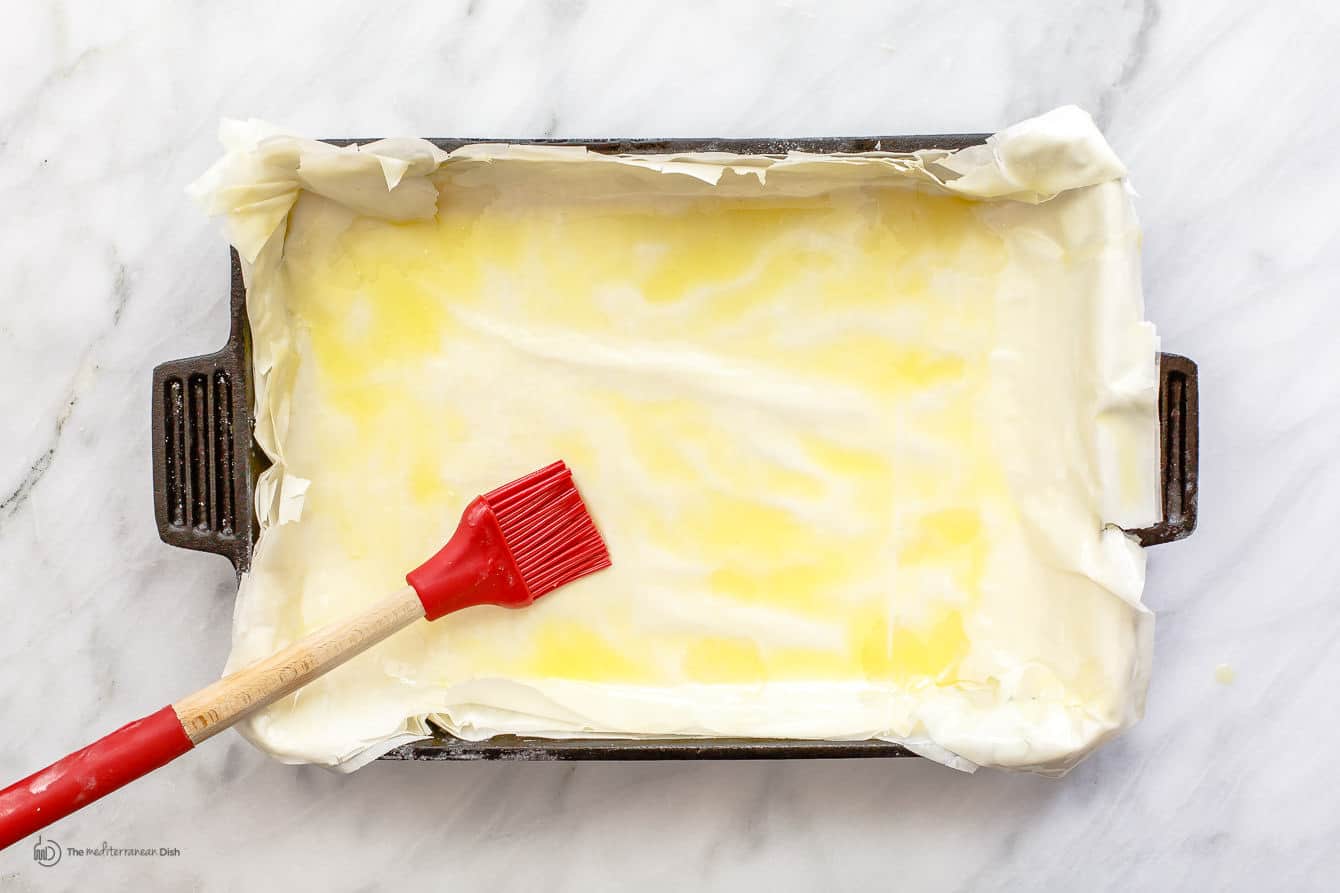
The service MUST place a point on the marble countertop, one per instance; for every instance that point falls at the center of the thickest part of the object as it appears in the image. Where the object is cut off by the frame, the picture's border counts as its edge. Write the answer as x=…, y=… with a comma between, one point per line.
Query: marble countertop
x=107, y=110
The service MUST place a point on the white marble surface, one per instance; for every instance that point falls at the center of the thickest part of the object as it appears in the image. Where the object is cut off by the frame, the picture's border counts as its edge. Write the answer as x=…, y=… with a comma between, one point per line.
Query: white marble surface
x=107, y=110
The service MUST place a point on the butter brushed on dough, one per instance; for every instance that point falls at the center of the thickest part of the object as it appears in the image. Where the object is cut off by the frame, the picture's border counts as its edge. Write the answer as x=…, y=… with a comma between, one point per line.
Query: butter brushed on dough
x=858, y=429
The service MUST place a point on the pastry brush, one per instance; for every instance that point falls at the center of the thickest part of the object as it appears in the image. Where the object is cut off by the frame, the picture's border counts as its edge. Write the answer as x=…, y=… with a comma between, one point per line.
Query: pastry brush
x=514, y=544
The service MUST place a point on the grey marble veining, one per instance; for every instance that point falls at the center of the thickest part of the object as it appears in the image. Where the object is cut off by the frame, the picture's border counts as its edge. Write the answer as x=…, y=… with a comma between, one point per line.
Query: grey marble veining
x=1224, y=113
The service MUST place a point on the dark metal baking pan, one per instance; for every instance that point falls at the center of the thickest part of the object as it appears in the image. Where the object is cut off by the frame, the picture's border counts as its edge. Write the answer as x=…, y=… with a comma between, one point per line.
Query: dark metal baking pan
x=205, y=464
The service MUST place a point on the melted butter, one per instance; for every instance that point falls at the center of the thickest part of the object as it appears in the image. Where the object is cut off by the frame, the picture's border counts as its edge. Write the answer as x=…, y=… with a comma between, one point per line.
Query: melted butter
x=907, y=655
x=802, y=585
x=724, y=659
x=765, y=511
x=793, y=663
x=568, y=650
x=932, y=655
x=890, y=369
x=951, y=539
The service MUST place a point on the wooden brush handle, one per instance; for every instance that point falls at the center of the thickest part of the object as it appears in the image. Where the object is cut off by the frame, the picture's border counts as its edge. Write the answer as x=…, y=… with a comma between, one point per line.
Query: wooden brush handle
x=238, y=695
x=29, y=805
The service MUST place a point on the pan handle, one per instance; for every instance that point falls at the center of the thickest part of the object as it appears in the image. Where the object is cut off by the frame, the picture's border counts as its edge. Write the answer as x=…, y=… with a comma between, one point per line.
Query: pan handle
x=1179, y=423
x=199, y=431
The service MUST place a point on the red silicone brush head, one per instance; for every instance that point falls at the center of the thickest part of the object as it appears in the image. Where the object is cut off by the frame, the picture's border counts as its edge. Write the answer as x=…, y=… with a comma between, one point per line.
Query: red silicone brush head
x=515, y=544
x=548, y=529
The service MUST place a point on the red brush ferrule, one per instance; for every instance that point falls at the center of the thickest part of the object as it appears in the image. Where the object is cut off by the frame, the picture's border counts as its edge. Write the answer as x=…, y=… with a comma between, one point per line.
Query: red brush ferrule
x=475, y=567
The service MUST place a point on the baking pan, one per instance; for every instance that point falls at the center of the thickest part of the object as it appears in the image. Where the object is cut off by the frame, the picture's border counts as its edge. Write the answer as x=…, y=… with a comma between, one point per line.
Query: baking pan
x=205, y=464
